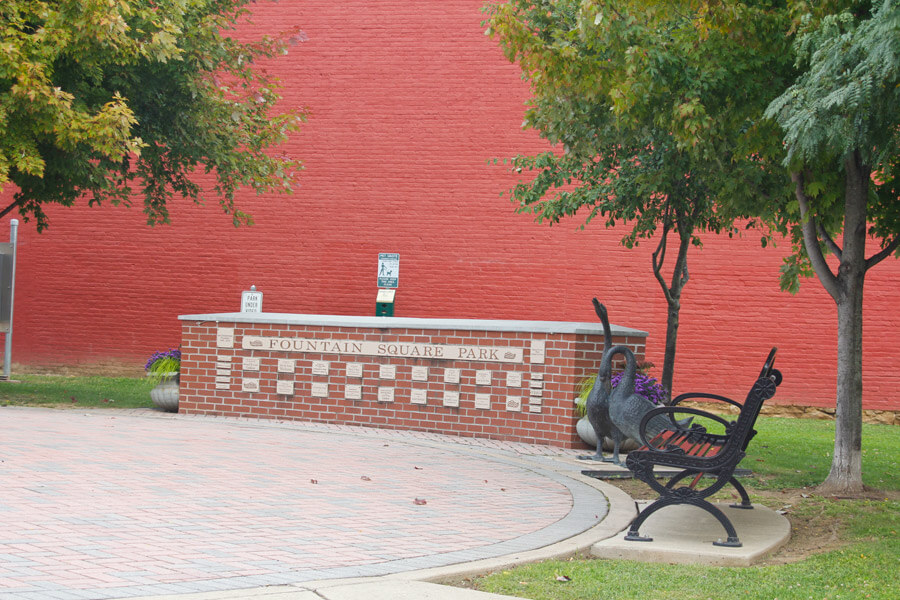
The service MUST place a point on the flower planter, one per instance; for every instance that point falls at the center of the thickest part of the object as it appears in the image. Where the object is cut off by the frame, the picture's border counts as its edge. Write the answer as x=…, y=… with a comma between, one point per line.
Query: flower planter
x=165, y=394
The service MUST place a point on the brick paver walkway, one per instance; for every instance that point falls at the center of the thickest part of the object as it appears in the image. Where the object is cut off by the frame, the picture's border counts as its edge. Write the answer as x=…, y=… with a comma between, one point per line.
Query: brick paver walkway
x=112, y=504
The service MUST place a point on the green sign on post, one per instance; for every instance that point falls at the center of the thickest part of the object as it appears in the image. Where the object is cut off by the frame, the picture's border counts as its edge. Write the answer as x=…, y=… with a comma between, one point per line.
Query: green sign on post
x=388, y=270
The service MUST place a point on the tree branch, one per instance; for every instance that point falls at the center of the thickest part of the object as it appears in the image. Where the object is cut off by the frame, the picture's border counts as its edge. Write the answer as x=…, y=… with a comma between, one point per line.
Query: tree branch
x=659, y=257
x=829, y=241
x=884, y=253
x=8, y=209
x=811, y=241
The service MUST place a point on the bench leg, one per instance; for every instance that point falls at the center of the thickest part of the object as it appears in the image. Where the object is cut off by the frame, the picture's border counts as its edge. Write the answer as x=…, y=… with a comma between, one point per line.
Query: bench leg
x=745, y=499
x=732, y=540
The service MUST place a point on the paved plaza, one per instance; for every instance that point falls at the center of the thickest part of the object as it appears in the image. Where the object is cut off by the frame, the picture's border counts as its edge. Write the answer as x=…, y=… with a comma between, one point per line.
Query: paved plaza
x=117, y=504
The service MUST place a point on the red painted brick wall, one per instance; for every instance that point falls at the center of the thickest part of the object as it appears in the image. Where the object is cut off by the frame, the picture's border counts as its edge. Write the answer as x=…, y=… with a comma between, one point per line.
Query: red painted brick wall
x=408, y=102
x=546, y=417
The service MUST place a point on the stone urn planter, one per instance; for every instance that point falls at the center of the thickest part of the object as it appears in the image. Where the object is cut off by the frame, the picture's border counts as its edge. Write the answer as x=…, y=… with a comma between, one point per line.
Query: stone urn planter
x=587, y=434
x=165, y=394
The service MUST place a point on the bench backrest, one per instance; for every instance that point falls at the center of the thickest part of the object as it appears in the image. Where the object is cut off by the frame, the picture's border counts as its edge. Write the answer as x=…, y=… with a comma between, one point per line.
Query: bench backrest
x=742, y=431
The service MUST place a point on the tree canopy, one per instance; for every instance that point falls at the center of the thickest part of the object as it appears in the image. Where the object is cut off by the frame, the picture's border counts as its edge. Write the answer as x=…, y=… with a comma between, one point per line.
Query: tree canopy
x=654, y=114
x=106, y=98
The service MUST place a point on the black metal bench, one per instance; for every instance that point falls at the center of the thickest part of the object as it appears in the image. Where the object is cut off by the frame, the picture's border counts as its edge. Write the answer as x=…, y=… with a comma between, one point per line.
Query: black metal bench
x=698, y=453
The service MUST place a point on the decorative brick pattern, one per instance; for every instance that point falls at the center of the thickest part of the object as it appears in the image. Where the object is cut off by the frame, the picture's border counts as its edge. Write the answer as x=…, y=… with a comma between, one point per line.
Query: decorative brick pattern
x=530, y=402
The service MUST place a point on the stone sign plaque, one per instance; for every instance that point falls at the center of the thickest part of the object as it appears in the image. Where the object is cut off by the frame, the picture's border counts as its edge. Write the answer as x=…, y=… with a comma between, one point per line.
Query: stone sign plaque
x=353, y=392
x=483, y=401
x=223, y=372
x=223, y=386
x=286, y=365
x=320, y=367
x=225, y=337
x=451, y=398
x=285, y=388
x=319, y=390
x=451, y=375
x=534, y=408
x=537, y=352
x=223, y=379
x=354, y=369
x=387, y=371
x=221, y=364
x=514, y=403
x=513, y=379
x=385, y=394
x=420, y=373
x=483, y=378
x=250, y=363
x=249, y=384
x=391, y=349
x=417, y=396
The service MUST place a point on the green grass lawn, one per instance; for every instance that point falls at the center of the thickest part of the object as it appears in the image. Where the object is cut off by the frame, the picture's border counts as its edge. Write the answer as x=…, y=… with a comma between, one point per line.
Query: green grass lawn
x=83, y=392
x=789, y=457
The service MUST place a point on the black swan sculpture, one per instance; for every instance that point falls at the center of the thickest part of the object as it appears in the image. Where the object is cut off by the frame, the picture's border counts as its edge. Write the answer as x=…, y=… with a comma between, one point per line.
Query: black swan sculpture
x=627, y=408
x=596, y=406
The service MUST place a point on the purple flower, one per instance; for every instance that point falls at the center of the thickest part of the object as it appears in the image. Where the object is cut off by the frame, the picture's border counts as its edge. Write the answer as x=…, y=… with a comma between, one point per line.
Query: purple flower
x=172, y=353
x=646, y=386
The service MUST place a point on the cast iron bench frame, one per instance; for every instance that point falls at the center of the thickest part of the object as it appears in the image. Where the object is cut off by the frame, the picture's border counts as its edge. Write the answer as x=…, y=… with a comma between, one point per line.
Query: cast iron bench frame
x=699, y=453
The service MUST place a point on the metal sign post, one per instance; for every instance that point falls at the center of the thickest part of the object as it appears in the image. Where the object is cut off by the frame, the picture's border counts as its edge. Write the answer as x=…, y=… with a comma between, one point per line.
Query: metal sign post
x=7, y=291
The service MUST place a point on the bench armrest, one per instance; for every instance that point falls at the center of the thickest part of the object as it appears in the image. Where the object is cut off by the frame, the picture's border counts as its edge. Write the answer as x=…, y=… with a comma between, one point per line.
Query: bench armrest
x=690, y=395
x=671, y=411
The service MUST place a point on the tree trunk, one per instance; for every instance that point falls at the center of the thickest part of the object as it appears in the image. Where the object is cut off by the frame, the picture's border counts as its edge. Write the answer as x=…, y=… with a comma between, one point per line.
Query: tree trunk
x=668, y=370
x=672, y=293
x=845, y=476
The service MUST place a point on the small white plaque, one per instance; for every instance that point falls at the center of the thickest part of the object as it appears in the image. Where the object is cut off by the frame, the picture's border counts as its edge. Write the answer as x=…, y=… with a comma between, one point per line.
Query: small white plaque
x=223, y=379
x=250, y=363
x=417, y=396
x=223, y=372
x=385, y=394
x=354, y=369
x=536, y=384
x=385, y=295
x=482, y=378
x=286, y=365
x=223, y=386
x=513, y=379
x=451, y=376
x=420, y=373
x=451, y=398
x=387, y=372
x=225, y=337
x=534, y=408
x=352, y=391
x=250, y=384
x=223, y=365
x=514, y=403
x=319, y=390
x=536, y=393
x=224, y=359
x=320, y=367
x=285, y=388
x=251, y=301
x=537, y=351
x=483, y=401
x=539, y=376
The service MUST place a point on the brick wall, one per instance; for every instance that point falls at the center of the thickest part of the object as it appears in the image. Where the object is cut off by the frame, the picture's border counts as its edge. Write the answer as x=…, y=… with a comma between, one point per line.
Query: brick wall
x=491, y=381
x=409, y=101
